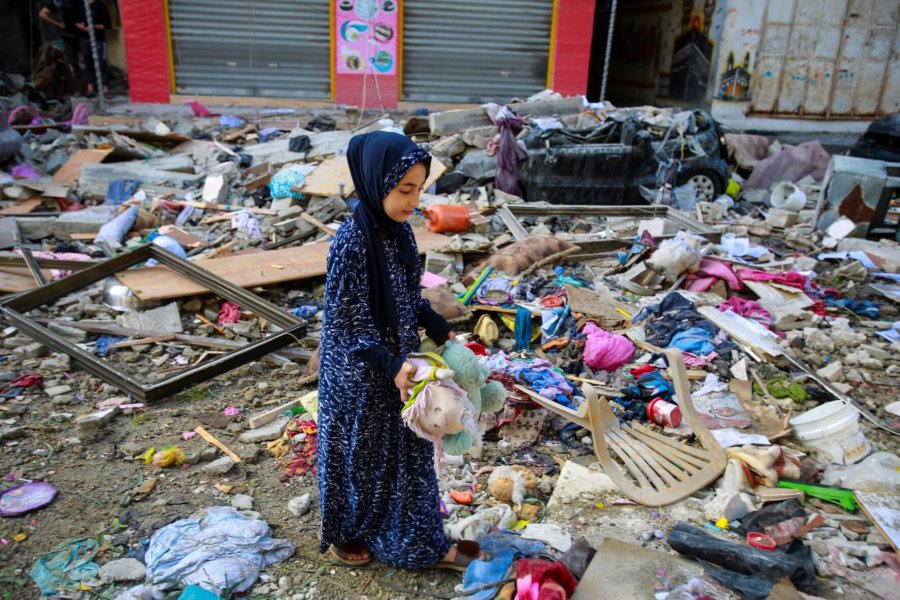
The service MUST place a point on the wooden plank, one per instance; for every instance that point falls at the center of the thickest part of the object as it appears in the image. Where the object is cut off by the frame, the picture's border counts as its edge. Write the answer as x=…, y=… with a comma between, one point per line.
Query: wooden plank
x=70, y=172
x=884, y=511
x=329, y=178
x=23, y=208
x=212, y=440
x=249, y=270
x=143, y=341
x=318, y=224
x=17, y=280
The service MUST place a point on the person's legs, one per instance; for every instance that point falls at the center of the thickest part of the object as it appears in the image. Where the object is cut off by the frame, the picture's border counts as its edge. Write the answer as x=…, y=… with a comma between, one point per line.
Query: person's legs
x=103, y=52
x=87, y=73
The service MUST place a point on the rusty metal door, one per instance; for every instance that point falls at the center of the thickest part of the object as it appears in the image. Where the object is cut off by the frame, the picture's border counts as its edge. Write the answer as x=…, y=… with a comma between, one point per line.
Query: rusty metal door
x=832, y=59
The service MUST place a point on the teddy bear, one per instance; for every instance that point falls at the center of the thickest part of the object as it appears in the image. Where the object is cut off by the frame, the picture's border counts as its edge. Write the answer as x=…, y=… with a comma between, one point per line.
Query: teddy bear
x=486, y=397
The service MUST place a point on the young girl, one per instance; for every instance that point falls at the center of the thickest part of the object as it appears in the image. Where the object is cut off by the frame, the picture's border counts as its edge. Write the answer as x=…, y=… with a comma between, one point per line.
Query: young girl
x=378, y=492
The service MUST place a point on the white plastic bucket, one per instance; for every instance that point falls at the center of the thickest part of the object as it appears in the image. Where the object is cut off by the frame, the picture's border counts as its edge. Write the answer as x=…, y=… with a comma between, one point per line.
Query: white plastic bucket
x=833, y=430
x=787, y=196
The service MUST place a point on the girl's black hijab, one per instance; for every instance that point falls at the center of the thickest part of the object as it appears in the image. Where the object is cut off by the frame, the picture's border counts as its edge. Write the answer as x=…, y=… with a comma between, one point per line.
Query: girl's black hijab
x=378, y=161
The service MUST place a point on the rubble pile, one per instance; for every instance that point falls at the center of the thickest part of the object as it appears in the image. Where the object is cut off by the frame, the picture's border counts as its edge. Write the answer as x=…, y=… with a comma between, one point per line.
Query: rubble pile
x=694, y=351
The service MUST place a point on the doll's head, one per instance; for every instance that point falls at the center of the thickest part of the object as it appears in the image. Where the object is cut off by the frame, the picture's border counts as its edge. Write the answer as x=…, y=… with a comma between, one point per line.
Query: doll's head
x=443, y=412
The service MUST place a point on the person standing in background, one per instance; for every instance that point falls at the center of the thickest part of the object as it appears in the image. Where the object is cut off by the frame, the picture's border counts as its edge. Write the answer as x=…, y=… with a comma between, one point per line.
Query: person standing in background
x=58, y=18
x=101, y=21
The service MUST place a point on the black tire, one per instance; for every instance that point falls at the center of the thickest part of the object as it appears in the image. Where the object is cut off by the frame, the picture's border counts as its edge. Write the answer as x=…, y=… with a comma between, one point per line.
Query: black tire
x=707, y=183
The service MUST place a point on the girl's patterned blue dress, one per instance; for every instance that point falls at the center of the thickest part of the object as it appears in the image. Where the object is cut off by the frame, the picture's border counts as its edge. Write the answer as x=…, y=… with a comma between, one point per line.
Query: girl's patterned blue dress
x=376, y=478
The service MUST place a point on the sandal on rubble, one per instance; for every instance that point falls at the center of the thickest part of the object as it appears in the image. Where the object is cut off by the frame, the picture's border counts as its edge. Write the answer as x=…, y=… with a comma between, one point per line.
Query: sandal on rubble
x=466, y=552
x=342, y=554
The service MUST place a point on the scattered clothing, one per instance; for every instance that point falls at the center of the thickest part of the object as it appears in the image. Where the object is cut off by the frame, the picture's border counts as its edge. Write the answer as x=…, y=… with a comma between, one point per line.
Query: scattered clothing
x=606, y=351
x=223, y=550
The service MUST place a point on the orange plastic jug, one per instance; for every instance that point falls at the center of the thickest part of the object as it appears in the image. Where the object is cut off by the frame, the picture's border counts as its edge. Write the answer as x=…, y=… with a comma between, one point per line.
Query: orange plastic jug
x=447, y=218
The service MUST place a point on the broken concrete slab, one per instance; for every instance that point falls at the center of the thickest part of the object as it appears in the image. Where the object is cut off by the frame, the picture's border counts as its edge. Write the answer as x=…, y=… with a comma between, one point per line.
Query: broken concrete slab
x=455, y=121
x=578, y=484
x=265, y=433
x=88, y=220
x=550, y=107
x=220, y=466
x=833, y=371
x=478, y=165
x=90, y=425
x=164, y=319
x=478, y=137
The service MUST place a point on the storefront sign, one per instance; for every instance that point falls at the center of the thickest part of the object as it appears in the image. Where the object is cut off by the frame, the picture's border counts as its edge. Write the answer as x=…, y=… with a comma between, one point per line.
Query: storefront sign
x=366, y=36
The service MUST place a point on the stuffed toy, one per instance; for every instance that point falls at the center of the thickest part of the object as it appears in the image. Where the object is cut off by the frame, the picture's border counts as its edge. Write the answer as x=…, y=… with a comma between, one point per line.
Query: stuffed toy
x=485, y=397
x=508, y=484
x=437, y=407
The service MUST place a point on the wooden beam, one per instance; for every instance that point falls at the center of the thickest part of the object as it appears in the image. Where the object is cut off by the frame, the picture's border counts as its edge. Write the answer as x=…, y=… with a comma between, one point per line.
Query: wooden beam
x=212, y=440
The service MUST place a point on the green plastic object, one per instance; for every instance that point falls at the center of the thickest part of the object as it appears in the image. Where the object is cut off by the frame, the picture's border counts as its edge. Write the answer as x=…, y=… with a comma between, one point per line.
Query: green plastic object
x=840, y=496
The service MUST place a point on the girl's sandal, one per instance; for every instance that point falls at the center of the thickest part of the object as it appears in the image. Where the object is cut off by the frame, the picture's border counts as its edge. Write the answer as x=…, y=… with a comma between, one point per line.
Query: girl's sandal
x=466, y=552
x=342, y=555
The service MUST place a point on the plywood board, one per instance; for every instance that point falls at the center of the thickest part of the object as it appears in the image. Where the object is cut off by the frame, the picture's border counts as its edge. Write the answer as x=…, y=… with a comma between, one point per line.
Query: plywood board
x=70, y=172
x=328, y=178
x=884, y=510
x=250, y=270
x=776, y=292
x=13, y=279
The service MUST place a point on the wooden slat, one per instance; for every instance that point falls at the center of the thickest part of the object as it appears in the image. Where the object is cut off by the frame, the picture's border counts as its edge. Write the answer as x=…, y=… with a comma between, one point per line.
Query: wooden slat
x=249, y=270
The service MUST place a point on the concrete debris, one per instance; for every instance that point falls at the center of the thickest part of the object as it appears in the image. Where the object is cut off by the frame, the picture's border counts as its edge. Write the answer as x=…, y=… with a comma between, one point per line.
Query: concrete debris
x=573, y=269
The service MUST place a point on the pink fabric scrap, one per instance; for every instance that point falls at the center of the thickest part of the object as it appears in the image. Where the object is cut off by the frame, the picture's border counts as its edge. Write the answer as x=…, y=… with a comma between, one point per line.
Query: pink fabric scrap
x=695, y=361
x=708, y=272
x=606, y=351
x=230, y=411
x=24, y=171
x=750, y=309
x=58, y=273
x=229, y=312
x=789, y=278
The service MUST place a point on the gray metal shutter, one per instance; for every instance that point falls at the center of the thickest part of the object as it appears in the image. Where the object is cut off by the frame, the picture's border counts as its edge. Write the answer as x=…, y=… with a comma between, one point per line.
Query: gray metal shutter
x=251, y=47
x=828, y=58
x=475, y=50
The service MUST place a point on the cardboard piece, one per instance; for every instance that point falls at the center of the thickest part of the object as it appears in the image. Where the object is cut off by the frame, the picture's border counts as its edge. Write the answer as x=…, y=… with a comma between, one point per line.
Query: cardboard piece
x=70, y=172
x=22, y=208
x=884, y=511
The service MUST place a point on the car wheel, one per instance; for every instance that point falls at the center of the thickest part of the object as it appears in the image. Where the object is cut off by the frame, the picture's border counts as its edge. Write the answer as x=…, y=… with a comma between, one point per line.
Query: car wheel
x=707, y=184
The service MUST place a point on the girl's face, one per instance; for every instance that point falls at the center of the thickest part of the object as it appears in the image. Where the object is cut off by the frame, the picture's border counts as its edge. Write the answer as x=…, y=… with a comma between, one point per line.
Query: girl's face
x=404, y=199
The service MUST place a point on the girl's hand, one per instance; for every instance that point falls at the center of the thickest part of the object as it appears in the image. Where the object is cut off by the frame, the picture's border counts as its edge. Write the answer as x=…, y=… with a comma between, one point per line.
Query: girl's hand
x=451, y=336
x=404, y=381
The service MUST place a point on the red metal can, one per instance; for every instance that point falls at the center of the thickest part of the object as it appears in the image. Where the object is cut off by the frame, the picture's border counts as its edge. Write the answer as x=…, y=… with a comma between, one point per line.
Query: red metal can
x=664, y=413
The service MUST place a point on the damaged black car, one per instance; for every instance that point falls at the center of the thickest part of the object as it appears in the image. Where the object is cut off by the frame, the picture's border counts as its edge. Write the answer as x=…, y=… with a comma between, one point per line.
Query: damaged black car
x=632, y=148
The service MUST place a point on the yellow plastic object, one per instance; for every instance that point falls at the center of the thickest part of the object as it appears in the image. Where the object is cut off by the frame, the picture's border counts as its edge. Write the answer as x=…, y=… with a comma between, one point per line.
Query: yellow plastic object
x=170, y=457
x=486, y=330
x=733, y=188
x=722, y=524
x=511, y=323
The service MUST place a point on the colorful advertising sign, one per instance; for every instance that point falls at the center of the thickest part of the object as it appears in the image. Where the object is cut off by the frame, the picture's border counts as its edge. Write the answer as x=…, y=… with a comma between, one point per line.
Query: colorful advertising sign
x=366, y=36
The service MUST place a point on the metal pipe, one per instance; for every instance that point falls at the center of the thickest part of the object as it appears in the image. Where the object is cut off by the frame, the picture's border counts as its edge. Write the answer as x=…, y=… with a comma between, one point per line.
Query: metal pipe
x=606, y=58
x=33, y=266
x=101, y=99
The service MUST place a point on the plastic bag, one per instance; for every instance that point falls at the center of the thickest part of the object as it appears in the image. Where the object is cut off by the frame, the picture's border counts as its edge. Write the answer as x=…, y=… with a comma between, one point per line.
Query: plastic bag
x=750, y=571
x=879, y=473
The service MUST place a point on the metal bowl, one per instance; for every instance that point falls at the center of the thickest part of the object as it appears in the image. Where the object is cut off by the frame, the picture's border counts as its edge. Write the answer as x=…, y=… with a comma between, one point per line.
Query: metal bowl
x=119, y=297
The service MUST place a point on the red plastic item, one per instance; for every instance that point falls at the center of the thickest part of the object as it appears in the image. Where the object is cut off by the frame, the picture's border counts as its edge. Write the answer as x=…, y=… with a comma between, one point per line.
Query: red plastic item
x=476, y=348
x=664, y=413
x=761, y=541
x=446, y=218
x=461, y=497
